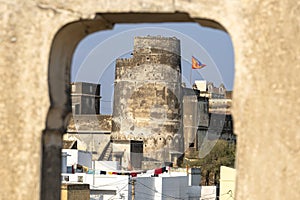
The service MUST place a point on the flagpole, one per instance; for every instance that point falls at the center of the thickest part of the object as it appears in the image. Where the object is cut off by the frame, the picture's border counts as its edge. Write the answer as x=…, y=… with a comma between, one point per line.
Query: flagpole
x=191, y=77
x=191, y=69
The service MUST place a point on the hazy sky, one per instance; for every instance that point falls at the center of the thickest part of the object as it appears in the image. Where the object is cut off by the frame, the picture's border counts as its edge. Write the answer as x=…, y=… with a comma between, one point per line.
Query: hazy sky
x=94, y=58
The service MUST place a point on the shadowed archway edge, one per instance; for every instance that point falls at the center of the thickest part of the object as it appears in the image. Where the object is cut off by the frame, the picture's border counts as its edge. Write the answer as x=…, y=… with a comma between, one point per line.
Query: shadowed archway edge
x=157, y=18
x=59, y=70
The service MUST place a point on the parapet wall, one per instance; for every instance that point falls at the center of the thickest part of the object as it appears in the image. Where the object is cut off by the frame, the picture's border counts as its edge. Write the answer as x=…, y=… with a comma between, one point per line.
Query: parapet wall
x=152, y=44
x=156, y=68
x=89, y=123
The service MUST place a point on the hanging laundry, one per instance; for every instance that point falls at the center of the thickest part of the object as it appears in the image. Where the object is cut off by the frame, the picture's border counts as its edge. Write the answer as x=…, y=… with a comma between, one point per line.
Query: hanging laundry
x=158, y=171
x=103, y=172
x=133, y=174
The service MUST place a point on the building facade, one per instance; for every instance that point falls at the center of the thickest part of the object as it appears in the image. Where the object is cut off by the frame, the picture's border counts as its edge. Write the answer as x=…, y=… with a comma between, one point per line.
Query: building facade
x=85, y=98
x=219, y=109
x=195, y=119
x=87, y=126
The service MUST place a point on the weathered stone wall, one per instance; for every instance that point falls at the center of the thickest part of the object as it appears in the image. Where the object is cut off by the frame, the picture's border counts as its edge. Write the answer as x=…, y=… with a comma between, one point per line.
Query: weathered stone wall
x=90, y=123
x=147, y=95
x=151, y=45
x=265, y=101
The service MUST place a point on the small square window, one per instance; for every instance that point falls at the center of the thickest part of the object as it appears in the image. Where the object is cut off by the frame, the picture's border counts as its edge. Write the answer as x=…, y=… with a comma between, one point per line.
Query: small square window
x=80, y=179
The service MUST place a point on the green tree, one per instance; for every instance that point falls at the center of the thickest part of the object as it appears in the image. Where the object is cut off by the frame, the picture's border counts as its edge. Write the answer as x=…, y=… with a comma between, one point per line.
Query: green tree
x=222, y=154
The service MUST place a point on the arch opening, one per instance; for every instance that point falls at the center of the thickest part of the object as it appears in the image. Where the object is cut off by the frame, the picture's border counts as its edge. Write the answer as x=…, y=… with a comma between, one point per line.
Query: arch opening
x=62, y=49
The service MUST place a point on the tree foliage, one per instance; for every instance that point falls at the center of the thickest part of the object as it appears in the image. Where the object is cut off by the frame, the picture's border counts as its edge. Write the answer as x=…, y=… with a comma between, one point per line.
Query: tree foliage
x=222, y=154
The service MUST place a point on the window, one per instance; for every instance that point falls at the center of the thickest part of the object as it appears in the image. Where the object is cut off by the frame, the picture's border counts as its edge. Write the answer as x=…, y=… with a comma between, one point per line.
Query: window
x=66, y=178
x=221, y=90
x=77, y=108
x=73, y=88
x=192, y=145
x=80, y=179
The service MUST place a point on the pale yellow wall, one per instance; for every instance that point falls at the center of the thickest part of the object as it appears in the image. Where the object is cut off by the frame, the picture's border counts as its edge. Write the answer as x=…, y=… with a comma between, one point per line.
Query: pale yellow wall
x=227, y=183
x=265, y=35
x=64, y=194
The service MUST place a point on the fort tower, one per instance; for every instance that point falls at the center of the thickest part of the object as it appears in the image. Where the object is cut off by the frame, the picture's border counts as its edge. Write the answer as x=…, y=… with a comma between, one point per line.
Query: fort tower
x=147, y=122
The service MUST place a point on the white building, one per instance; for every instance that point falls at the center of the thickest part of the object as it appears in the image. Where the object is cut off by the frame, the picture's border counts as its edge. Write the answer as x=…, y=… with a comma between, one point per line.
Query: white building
x=72, y=157
x=102, y=187
x=106, y=165
x=165, y=187
x=227, y=183
x=174, y=184
x=208, y=192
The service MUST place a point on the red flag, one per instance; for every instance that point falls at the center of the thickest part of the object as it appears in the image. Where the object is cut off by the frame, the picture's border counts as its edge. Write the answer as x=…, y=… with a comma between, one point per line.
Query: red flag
x=196, y=64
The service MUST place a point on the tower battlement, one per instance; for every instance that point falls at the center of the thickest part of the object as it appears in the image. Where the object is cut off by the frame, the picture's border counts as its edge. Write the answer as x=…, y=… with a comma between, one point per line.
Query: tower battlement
x=156, y=44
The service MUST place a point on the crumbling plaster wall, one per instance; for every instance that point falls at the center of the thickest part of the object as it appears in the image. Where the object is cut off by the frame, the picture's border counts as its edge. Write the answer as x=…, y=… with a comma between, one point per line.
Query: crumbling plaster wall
x=265, y=35
x=151, y=108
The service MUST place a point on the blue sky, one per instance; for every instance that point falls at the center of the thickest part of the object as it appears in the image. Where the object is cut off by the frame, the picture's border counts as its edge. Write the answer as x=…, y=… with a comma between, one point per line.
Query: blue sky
x=94, y=58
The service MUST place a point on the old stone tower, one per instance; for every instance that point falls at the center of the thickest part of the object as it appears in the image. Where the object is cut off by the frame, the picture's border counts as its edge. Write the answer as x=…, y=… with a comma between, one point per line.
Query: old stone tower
x=146, y=126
